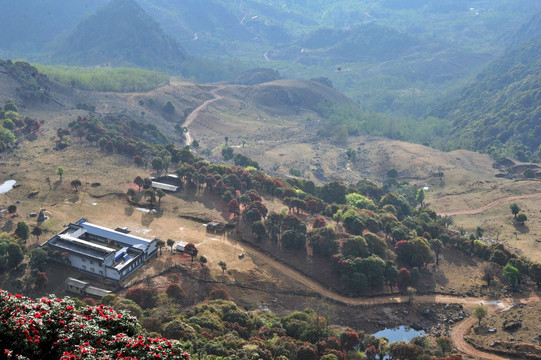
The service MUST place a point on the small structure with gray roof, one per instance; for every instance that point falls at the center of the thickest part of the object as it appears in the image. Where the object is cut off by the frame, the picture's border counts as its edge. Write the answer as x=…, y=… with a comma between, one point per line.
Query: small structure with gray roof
x=84, y=288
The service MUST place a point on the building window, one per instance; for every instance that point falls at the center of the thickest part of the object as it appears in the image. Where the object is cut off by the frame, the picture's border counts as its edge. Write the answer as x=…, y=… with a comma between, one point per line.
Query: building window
x=92, y=269
x=84, y=267
x=84, y=260
x=91, y=262
x=101, y=272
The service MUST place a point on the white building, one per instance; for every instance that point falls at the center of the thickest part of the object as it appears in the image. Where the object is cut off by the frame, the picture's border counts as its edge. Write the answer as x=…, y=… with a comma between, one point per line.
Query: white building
x=101, y=251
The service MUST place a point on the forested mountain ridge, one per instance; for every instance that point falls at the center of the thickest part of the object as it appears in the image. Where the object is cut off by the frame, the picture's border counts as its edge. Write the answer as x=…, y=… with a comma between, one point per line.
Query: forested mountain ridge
x=457, y=38
x=527, y=31
x=120, y=34
x=499, y=113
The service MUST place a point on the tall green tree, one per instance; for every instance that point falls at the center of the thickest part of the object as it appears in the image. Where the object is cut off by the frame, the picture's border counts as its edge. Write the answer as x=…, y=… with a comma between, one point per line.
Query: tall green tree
x=437, y=247
x=160, y=194
x=22, y=230
x=139, y=182
x=535, y=273
x=522, y=218
x=15, y=255
x=150, y=195
x=480, y=312
x=510, y=274
x=76, y=183
x=170, y=243
x=36, y=231
x=157, y=164
x=258, y=228
x=420, y=197
x=515, y=209
x=38, y=259
x=60, y=171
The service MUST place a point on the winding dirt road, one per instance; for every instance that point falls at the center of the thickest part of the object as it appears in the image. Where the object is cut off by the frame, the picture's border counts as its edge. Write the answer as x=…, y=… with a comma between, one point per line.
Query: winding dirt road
x=496, y=202
x=195, y=113
x=457, y=338
x=458, y=332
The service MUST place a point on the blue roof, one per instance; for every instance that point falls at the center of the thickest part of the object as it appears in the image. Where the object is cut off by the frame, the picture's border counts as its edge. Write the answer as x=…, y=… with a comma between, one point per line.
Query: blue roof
x=121, y=253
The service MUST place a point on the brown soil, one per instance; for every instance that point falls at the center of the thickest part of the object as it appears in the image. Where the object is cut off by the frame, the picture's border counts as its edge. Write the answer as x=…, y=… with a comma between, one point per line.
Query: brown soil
x=492, y=204
x=523, y=342
x=457, y=337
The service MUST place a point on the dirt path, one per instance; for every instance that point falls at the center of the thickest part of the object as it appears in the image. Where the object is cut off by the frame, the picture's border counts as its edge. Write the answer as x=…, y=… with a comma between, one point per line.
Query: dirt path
x=458, y=332
x=195, y=113
x=483, y=208
x=260, y=258
x=457, y=338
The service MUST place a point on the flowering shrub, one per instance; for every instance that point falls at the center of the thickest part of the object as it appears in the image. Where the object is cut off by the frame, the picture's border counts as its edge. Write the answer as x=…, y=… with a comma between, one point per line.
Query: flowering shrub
x=51, y=328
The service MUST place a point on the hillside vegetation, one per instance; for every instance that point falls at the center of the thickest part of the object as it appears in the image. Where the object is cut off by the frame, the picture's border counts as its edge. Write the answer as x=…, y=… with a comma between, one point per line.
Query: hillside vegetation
x=105, y=79
x=499, y=113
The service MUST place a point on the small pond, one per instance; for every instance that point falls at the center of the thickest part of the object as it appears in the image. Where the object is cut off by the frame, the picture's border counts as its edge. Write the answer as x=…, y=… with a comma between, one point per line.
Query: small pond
x=399, y=333
x=6, y=186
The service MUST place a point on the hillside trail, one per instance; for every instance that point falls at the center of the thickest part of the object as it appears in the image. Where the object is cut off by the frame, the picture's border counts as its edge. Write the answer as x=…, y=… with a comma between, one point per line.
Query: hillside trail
x=459, y=342
x=461, y=329
x=195, y=113
x=458, y=331
x=496, y=202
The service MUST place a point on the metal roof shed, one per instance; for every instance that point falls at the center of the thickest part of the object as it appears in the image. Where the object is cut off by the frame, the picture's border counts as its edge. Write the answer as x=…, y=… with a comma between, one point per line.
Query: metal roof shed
x=97, y=292
x=164, y=187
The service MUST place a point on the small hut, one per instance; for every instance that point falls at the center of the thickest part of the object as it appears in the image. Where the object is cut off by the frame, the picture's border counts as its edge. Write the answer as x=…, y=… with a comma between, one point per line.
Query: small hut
x=216, y=227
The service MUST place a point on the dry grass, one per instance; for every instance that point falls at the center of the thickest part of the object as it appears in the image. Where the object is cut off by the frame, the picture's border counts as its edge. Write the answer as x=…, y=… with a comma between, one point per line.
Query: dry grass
x=528, y=315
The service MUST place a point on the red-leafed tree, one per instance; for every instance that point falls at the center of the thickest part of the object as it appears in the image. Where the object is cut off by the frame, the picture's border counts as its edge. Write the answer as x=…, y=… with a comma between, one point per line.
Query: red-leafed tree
x=404, y=251
x=312, y=206
x=319, y=222
x=191, y=250
x=234, y=207
x=404, y=279
x=219, y=294
x=349, y=340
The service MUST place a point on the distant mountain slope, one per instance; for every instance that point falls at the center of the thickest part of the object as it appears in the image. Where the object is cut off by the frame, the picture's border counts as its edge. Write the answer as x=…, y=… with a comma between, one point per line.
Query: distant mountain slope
x=217, y=27
x=500, y=113
x=27, y=26
x=368, y=41
x=120, y=33
x=531, y=29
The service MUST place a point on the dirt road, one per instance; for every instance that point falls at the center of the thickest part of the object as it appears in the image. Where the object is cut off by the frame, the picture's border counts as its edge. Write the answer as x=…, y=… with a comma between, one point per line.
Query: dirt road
x=483, y=208
x=457, y=338
x=195, y=113
x=260, y=258
x=457, y=333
